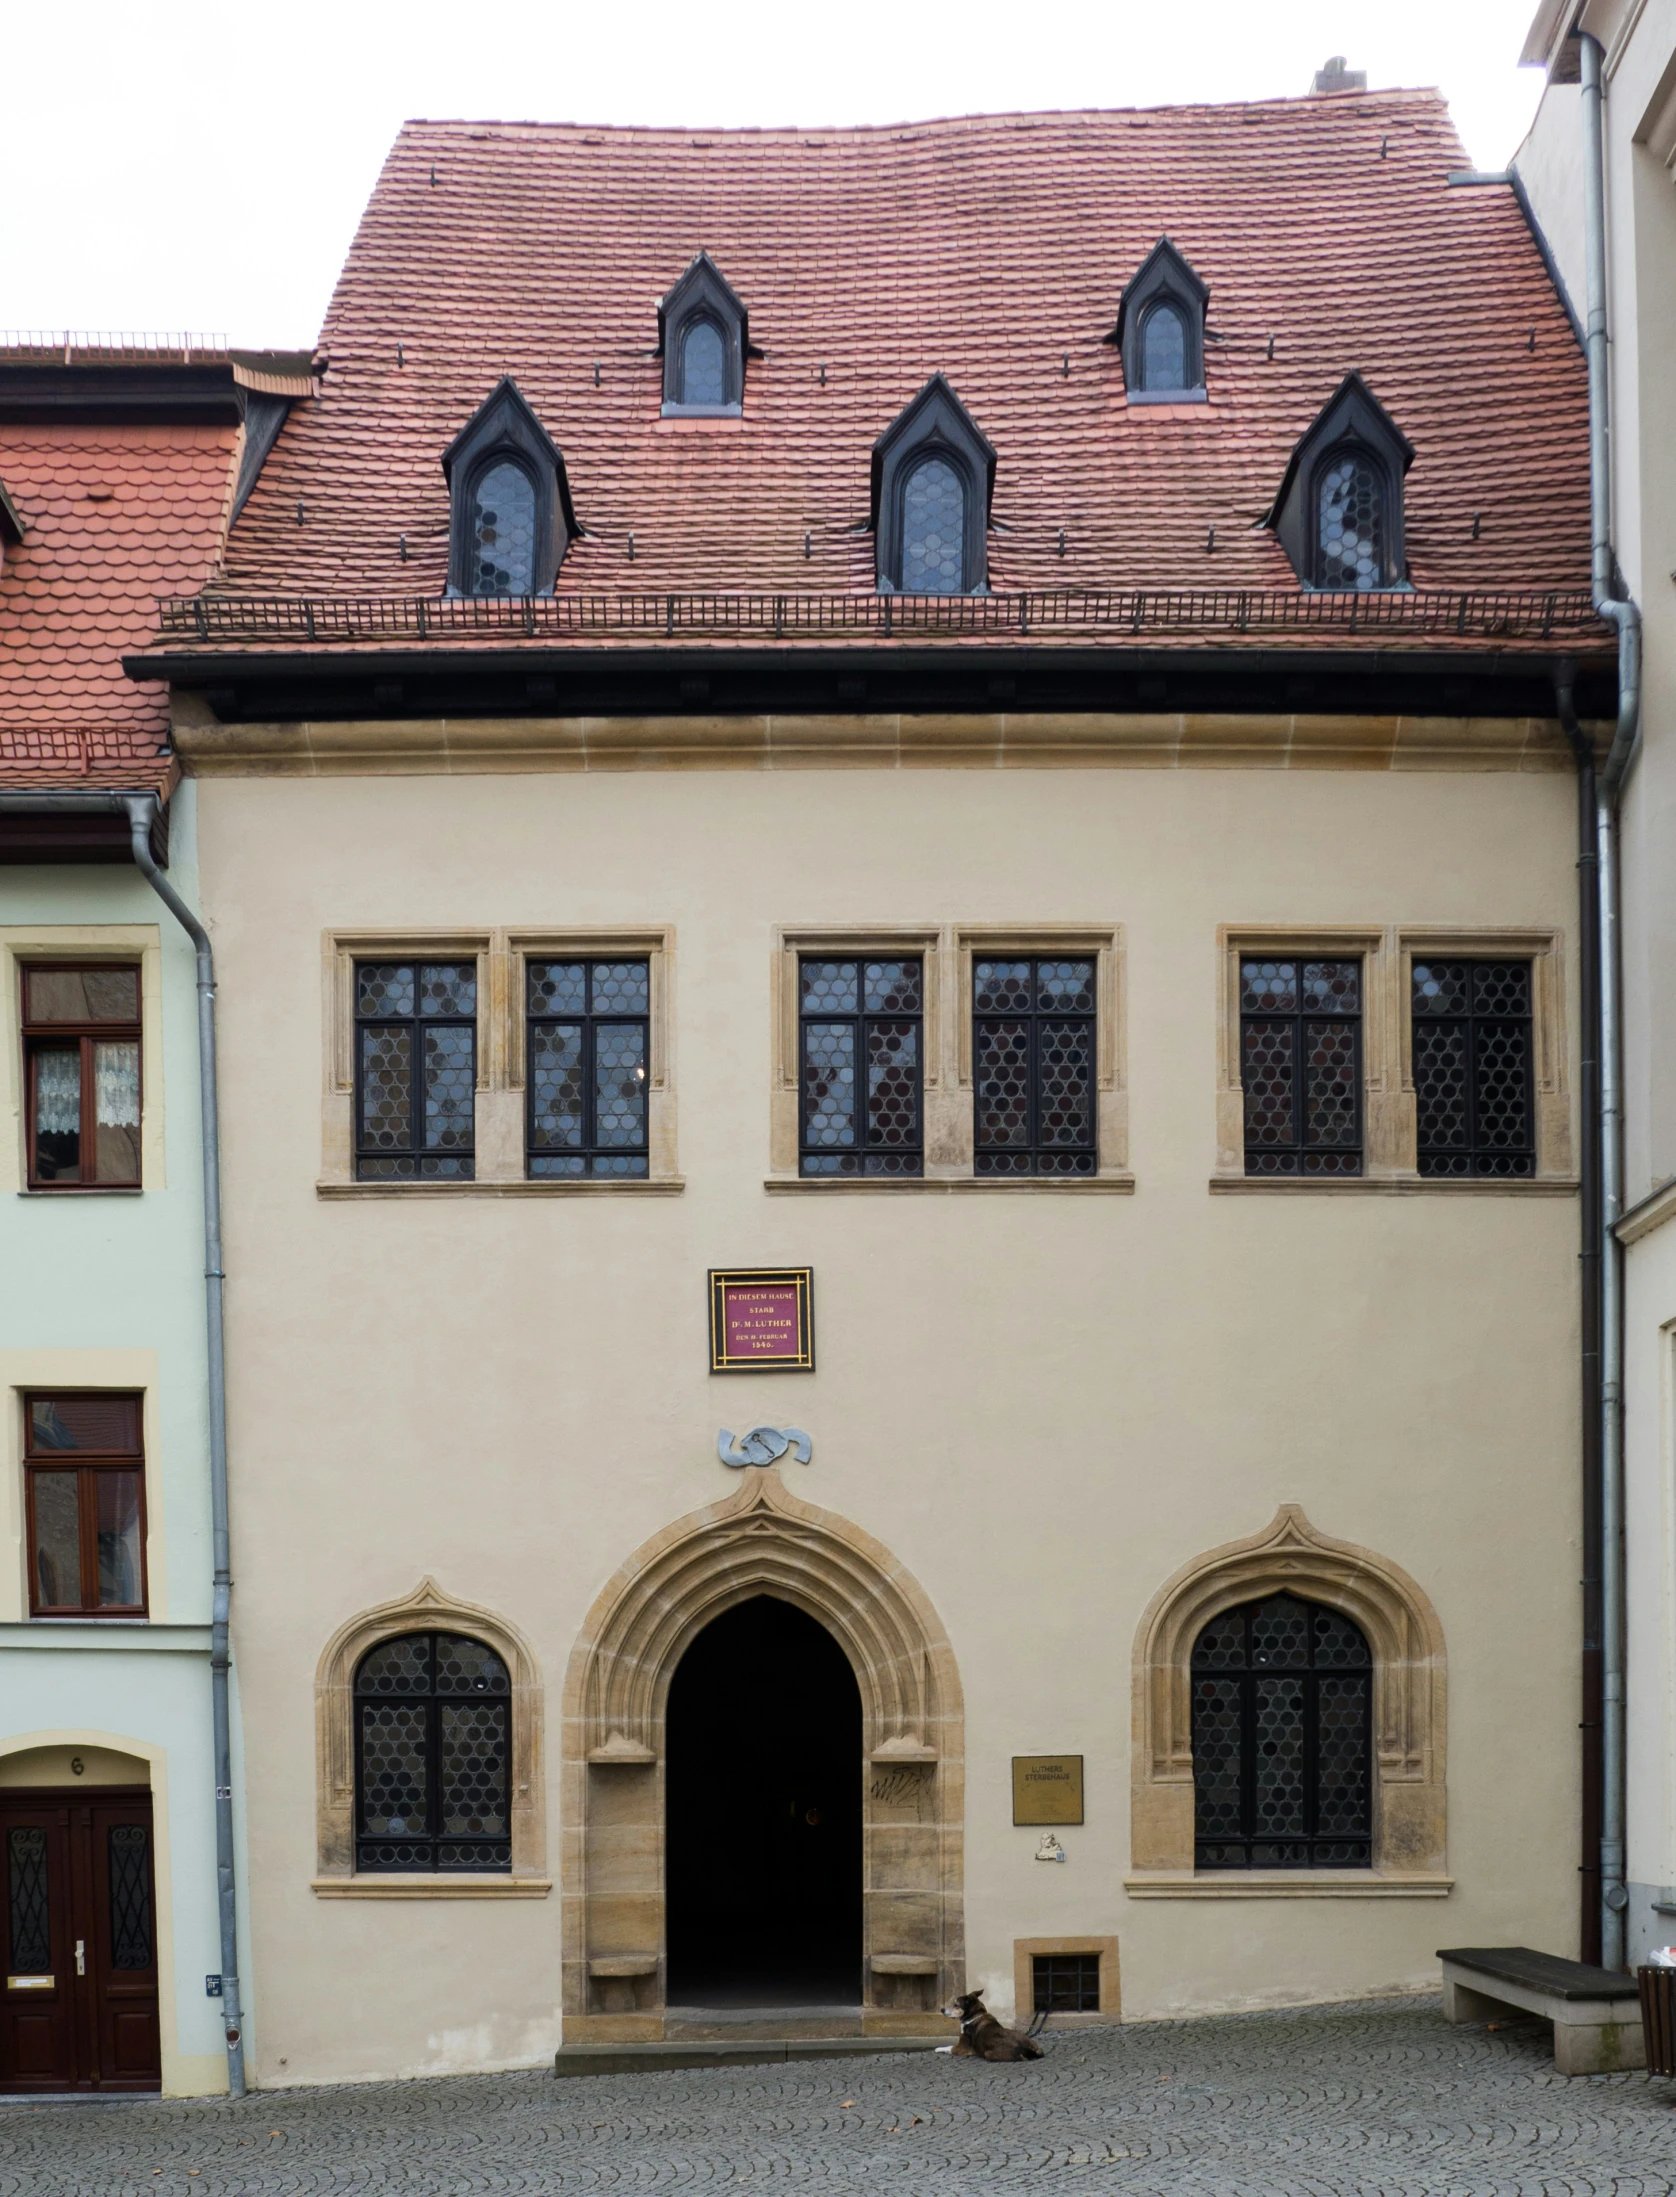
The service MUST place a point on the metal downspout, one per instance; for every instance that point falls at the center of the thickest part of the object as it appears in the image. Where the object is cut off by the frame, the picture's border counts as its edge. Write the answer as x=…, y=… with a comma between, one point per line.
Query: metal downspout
x=1589, y=1293
x=142, y=808
x=1623, y=613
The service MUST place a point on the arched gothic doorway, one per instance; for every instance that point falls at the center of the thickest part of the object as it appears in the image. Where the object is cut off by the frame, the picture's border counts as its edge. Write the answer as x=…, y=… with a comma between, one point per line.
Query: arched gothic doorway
x=762, y=1797
x=761, y=1542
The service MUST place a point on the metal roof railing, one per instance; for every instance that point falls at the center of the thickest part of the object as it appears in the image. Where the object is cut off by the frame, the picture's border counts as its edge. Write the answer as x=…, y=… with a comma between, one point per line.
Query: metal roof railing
x=1241, y=613
x=110, y=346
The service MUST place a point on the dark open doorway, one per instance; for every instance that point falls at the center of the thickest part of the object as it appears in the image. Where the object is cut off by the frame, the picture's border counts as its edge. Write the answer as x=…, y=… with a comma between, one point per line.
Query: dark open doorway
x=764, y=1823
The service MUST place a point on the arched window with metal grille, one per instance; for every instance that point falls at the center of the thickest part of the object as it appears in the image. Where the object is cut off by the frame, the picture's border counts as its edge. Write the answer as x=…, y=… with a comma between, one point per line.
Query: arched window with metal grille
x=1350, y=522
x=1282, y=1747
x=934, y=529
x=433, y=1748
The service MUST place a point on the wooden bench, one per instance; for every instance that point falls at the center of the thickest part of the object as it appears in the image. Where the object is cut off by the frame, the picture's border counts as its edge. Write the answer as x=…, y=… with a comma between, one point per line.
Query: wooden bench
x=1596, y=2012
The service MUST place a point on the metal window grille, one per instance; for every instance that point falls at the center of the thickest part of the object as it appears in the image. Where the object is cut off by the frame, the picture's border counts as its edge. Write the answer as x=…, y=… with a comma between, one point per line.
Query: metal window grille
x=587, y=1032
x=415, y=1070
x=1065, y=1983
x=29, y=1912
x=1301, y=1065
x=84, y=1495
x=861, y=1072
x=128, y=1862
x=1472, y=1068
x=433, y=1756
x=81, y=1043
x=1033, y=1059
x=1282, y=1748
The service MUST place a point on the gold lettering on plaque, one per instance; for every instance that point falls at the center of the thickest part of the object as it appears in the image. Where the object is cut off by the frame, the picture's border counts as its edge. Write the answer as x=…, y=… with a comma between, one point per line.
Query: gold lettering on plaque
x=1047, y=1788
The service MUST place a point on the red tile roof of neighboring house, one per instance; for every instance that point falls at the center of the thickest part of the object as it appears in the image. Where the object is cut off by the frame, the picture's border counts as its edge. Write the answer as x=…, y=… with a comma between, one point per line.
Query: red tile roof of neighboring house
x=114, y=516
x=993, y=249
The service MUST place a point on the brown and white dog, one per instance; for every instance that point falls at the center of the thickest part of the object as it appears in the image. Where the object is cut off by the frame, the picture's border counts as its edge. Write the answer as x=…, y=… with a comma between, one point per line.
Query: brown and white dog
x=982, y=2036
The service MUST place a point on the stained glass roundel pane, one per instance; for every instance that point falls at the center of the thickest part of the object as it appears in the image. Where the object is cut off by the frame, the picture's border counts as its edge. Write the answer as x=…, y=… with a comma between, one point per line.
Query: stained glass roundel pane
x=503, y=532
x=1164, y=349
x=702, y=374
x=1352, y=522
x=934, y=530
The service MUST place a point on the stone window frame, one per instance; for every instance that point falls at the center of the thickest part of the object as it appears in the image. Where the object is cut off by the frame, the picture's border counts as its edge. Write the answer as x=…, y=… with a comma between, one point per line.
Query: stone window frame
x=429, y=1608
x=1024, y=1980
x=1410, y=1702
x=500, y=954
x=1391, y=1162
x=947, y=950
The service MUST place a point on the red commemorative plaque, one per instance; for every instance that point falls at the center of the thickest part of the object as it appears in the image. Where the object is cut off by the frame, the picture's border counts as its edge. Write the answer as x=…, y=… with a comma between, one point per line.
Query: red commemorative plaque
x=762, y=1320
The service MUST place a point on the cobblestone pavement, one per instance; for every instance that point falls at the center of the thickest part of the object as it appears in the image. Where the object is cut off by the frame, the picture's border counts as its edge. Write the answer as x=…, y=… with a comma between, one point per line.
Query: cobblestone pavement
x=1375, y=2100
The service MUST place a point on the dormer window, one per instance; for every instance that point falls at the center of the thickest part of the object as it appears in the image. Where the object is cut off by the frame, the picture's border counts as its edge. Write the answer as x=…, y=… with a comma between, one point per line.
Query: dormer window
x=933, y=474
x=502, y=552
x=1339, y=514
x=703, y=332
x=511, y=515
x=1161, y=330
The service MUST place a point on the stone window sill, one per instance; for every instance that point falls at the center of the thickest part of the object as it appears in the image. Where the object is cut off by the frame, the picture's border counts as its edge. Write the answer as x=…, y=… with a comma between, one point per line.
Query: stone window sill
x=830, y=1186
x=43, y=1192
x=1286, y=1884
x=1392, y=1186
x=431, y=1887
x=626, y=1186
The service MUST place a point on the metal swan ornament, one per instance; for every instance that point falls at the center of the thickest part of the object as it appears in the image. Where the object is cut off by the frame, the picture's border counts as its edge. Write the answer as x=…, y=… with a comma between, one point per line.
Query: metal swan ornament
x=762, y=1446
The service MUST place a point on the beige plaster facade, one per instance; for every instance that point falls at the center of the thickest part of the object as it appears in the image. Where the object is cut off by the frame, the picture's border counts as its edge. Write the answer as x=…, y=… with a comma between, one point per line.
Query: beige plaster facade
x=1049, y=1424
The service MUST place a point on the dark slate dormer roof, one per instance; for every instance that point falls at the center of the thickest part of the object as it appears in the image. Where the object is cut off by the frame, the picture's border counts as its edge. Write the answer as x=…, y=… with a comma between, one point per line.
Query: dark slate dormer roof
x=991, y=249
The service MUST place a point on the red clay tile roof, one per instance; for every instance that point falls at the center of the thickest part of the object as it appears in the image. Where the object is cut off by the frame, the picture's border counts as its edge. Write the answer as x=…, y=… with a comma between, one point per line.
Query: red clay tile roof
x=115, y=516
x=994, y=249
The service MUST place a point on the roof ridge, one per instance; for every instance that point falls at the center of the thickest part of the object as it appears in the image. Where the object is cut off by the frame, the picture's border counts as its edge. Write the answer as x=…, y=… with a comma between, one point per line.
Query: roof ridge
x=801, y=133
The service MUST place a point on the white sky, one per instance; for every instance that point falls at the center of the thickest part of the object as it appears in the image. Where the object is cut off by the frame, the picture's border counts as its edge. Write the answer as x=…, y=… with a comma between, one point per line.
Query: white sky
x=201, y=164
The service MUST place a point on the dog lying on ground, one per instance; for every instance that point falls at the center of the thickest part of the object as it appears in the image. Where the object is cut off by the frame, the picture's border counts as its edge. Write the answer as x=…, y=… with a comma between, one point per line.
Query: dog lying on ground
x=982, y=2036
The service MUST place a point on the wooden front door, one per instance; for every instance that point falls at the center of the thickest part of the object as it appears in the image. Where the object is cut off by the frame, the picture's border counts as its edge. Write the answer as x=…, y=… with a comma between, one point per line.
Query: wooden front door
x=78, y=1931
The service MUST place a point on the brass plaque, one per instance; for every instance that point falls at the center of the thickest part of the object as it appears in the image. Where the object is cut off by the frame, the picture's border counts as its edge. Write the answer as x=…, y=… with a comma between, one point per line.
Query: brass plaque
x=1047, y=1788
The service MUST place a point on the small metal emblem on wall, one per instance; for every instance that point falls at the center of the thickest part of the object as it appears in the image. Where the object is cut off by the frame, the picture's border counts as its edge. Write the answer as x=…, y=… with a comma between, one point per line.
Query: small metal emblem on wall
x=1047, y=1789
x=762, y=1320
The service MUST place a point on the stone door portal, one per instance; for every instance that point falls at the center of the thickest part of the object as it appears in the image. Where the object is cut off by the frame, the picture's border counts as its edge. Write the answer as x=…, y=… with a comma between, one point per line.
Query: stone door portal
x=639, y=1761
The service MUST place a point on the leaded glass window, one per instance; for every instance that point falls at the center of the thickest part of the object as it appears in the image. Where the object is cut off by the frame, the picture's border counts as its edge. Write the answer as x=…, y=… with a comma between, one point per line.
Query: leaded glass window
x=85, y=1496
x=1033, y=1062
x=587, y=1036
x=934, y=530
x=703, y=364
x=1350, y=537
x=503, y=531
x=1282, y=1749
x=861, y=1055
x=81, y=1045
x=1164, y=348
x=433, y=1756
x=1472, y=1067
x=1301, y=1065
x=415, y=1070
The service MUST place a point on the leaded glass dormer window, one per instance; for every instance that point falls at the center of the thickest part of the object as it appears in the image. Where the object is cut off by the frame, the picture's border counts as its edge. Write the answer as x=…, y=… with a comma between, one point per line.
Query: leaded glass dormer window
x=703, y=333
x=511, y=518
x=1349, y=533
x=933, y=530
x=503, y=531
x=703, y=364
x=933, y=472
x=1164, y=348
x=1161, y=330
x=1339, y=513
